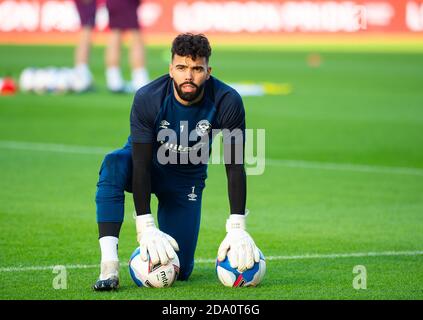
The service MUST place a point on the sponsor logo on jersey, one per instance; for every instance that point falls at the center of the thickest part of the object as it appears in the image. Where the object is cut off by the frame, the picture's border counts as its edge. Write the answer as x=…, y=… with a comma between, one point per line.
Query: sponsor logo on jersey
x=181, y=149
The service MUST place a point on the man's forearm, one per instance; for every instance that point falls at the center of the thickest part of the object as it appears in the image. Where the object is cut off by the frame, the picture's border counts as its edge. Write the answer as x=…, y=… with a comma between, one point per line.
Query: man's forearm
x=141, y=176
x=237, y=187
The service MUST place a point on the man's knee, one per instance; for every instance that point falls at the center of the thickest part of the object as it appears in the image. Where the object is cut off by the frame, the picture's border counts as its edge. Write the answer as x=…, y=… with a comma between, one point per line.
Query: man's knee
x=185, y=271
x=118, y=160
x=116, y=169
x=115, y=177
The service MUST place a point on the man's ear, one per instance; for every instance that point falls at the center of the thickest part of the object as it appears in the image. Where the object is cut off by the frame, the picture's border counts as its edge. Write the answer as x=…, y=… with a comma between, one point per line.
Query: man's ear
x=209, y=70
x=170, y=70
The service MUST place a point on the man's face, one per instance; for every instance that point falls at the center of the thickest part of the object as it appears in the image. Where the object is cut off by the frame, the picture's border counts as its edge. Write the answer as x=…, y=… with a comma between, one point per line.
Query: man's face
x=189, y=76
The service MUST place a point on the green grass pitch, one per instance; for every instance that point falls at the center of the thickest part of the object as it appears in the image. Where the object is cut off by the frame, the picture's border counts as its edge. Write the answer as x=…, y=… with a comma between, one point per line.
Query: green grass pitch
x=352, y=130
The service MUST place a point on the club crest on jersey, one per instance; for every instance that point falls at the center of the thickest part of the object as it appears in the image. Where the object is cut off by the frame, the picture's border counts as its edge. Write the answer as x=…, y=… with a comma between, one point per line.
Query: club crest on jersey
x=203, y=127
x=164, y=124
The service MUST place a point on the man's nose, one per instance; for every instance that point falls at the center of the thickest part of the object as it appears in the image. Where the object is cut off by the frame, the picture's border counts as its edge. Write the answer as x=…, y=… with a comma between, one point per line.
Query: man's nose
x=188, y=74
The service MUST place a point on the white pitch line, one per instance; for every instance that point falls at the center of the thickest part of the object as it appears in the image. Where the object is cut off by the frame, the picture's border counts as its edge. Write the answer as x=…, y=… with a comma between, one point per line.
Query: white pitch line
x=52, y=147
x=75, y=149
x=344, y=167
x=209, y=261
x=43, y=268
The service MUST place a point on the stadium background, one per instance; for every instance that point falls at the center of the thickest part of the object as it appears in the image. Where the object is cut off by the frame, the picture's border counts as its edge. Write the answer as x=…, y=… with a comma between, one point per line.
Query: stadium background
x=344, y=147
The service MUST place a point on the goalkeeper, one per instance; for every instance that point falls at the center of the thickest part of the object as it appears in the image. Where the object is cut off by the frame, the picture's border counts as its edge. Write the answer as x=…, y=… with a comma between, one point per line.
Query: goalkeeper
x=158, y=158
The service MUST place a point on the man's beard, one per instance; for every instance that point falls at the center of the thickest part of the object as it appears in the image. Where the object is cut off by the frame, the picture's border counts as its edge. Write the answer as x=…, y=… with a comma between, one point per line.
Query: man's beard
x=188, y=96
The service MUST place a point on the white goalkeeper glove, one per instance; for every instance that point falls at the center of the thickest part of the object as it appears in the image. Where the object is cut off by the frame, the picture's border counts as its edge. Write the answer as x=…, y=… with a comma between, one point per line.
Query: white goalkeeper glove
x=243, y=252
x=159, y=245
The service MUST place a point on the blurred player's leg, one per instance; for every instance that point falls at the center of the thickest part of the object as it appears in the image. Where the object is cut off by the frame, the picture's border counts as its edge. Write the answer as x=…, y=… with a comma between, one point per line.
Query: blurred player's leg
x=86, y=10
x=115, y=178
x=137, y=58
x=179, y=216
x=82, y=51
x=114, y=76
x=123, y=17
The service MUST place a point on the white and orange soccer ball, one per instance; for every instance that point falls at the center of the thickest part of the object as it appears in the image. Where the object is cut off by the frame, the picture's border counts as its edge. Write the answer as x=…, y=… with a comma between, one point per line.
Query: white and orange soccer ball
x=145, y=274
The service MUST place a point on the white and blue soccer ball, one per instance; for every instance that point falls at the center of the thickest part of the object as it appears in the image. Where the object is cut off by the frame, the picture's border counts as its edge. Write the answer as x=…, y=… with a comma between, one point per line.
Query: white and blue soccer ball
x=231, y=277
x=145, y=274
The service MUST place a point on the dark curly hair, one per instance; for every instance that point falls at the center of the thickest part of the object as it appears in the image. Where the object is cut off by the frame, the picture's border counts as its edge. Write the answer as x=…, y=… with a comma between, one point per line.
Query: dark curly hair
x=193, y=45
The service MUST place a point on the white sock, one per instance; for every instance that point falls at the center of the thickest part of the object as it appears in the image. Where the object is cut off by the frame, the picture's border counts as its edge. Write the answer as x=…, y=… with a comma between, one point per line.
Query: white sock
x=114, y=79
x=109, y=248
x=83, y=69
x=83, y=77
x=139, y=78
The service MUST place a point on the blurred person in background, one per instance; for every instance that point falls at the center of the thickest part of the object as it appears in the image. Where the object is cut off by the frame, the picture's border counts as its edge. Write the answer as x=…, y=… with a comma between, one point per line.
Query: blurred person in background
x=122, y=18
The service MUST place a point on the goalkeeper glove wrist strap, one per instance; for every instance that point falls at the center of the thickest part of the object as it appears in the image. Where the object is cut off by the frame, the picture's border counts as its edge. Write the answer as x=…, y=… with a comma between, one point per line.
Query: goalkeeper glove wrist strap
x=235, y=222
x=144, y=221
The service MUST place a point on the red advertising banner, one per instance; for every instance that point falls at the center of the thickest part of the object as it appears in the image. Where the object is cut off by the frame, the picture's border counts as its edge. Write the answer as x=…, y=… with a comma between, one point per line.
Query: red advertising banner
x=222, y=17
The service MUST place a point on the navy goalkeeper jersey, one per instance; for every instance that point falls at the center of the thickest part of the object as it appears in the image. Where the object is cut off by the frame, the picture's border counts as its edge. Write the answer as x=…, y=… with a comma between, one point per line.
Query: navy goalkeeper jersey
x=177, y=130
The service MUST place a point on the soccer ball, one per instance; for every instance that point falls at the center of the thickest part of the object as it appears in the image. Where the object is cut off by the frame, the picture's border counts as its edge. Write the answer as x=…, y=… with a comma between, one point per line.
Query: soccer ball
x=26, y=80
x=50, y=74
x=63, y=80
x=231, y=277
x=40, y=81
x=145, y=274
